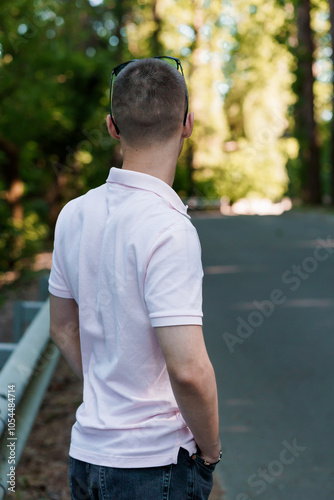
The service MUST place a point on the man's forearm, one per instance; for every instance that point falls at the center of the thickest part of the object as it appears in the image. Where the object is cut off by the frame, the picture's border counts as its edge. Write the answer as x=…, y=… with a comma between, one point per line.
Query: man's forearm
x=70, y=349
x=198, y=403
x=65, y=331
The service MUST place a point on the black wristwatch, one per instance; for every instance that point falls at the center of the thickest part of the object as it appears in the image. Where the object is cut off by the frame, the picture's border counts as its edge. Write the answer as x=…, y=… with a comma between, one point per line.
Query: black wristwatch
x=214, y=463
x=205, y=461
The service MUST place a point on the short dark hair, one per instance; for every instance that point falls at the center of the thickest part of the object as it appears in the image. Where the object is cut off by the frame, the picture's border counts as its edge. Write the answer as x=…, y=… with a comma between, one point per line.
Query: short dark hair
x=149, y=101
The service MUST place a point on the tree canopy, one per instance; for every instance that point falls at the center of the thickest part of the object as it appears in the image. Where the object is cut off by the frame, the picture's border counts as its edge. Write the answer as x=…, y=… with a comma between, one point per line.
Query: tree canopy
x=250, y=68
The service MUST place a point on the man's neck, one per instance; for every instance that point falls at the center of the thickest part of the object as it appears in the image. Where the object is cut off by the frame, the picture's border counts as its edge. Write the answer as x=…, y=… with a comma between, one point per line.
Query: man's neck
x=159, y=161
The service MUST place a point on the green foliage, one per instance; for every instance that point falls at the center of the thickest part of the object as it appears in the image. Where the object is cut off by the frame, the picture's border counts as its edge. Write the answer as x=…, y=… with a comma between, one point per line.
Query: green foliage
x=33, y=233
x=55, y=63
x=5, y=235
x=247, y=172
x=20, y=239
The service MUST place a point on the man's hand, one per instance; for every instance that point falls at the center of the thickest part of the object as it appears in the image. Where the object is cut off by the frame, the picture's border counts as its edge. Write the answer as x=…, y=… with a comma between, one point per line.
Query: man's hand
x=212, y=459
x=64, y=330
x=193, y=383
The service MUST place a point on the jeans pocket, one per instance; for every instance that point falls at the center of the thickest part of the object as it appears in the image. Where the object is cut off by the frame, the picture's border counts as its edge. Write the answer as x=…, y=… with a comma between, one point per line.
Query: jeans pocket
x=201, y=462
x=203, y=478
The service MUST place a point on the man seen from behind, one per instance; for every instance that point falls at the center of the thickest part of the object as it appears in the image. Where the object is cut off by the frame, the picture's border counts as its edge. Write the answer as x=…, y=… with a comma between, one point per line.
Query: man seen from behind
x=126, y=308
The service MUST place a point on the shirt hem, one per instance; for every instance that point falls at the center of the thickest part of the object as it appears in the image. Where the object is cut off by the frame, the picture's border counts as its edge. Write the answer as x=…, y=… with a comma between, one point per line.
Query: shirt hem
x=176, y=320
x=63, y=294
x=125, y=462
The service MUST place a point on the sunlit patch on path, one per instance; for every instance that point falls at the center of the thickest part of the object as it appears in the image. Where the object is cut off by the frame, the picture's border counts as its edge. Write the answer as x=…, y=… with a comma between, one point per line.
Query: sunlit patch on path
x=233, y=269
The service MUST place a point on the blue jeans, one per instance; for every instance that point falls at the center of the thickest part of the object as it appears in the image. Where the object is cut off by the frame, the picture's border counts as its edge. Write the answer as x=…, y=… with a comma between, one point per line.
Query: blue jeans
x=189, y=479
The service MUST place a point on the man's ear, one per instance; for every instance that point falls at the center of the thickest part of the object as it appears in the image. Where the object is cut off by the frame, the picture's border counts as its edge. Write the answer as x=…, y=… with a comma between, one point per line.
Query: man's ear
x=188, y=127
x=111, y=128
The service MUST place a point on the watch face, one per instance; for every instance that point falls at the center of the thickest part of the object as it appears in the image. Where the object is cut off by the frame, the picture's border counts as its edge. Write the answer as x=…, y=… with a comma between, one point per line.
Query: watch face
x=220, y=457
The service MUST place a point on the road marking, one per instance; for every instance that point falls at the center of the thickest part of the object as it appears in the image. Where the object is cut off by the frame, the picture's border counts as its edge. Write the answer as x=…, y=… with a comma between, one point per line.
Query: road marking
x=309, y=302
x=232, y=269
x=311, y=244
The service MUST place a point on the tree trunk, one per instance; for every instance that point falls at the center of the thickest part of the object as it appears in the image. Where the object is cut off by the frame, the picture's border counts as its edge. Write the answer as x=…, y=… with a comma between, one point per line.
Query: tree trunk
x=157, y=47
x=14, y=193
x=305, y=121
x=195, y=48
x=331, y=14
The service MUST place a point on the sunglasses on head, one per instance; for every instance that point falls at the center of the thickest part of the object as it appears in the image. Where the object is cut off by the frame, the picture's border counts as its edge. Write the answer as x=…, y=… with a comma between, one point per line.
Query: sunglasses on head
x=174, y=61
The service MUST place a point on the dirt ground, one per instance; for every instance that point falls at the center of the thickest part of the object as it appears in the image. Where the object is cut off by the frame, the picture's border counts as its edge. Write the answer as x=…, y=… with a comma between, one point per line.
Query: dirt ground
x=42, y=473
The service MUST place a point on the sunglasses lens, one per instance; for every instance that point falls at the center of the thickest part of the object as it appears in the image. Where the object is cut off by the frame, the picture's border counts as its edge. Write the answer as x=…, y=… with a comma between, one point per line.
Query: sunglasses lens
x=119, y=68
x=173, y=62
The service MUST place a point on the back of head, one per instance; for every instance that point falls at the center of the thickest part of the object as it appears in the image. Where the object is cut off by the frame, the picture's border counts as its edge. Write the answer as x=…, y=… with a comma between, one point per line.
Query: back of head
x=149, y=102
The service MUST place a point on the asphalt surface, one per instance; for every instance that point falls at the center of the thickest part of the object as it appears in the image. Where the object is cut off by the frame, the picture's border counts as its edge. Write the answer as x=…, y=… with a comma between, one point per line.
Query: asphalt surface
x=269, y=324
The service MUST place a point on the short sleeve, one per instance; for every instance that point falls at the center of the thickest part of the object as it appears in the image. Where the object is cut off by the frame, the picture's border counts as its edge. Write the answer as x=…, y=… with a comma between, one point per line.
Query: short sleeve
x=57, y=280
x=174, y=274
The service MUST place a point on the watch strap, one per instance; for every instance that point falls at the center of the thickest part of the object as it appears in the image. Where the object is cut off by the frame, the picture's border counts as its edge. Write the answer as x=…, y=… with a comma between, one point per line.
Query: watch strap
x=205, y=461
x=214, y=463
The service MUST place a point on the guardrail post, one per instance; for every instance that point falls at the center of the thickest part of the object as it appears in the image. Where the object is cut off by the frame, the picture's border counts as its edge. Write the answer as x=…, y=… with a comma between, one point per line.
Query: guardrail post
x=6, y=349
x=43, y=288
x=24, y=313
x=23, y=381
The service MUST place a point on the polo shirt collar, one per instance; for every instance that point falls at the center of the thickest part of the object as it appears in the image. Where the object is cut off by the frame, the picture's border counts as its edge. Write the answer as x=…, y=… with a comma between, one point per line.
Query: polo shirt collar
x=147, y=182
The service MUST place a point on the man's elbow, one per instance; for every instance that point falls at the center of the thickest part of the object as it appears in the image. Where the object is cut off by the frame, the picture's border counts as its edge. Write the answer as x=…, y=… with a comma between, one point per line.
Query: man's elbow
x=192, y=376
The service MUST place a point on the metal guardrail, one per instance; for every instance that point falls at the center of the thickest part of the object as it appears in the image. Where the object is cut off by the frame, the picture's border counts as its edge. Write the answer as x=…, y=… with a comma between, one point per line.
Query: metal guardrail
x=24, y=379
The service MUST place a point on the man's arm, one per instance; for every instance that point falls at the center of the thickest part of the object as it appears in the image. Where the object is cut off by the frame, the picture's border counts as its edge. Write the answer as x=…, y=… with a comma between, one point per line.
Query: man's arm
x=64, y=330
x=194, y=385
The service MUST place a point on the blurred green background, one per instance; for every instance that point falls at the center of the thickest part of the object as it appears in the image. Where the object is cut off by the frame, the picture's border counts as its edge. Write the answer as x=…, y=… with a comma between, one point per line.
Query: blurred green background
x=259, y=76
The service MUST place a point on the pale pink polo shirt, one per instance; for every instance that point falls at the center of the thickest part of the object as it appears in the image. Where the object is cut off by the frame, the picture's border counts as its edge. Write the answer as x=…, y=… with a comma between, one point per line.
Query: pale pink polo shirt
x=130, y=257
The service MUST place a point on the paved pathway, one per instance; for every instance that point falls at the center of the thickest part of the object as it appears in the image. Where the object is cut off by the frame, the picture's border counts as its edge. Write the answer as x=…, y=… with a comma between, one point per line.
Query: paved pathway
x=269, y=324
